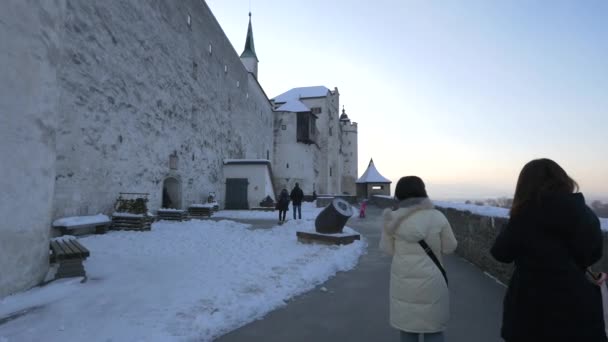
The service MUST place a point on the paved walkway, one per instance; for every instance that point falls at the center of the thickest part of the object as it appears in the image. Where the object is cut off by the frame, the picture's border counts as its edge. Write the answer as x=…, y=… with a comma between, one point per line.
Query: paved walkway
x=355, y=306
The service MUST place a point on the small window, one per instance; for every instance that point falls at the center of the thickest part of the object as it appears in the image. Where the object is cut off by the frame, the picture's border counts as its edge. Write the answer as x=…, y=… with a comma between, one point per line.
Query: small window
x=330, y=131
x=210, y=49
x=173, y=162
x=316, y=110
x=330, y=172
x=377, y=187
x=267, y=155
x=225, y=68
x=189, y=21
x=288, y=165
x=238, y=84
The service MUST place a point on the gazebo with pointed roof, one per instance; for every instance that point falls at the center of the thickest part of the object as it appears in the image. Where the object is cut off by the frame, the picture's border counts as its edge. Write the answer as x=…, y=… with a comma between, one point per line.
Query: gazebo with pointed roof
x=373, y=183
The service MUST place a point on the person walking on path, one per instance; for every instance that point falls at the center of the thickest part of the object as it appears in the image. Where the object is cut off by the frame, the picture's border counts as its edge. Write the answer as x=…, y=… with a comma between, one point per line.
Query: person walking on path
x=283, y=205
x=417, y=235
x=552, y=236
x=297, y=195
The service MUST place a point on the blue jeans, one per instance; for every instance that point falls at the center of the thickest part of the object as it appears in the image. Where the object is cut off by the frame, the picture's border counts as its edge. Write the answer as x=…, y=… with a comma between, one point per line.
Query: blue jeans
x=299, y=208
x=413, y=337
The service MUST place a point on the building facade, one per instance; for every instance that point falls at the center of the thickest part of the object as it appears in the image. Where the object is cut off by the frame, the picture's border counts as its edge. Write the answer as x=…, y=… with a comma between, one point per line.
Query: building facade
x=314, y=145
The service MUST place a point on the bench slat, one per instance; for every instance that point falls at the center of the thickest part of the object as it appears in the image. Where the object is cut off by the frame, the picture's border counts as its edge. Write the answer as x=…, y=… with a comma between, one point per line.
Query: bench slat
x=64, y=251
x=57, y=250
x=69, y=250
x=84, y=252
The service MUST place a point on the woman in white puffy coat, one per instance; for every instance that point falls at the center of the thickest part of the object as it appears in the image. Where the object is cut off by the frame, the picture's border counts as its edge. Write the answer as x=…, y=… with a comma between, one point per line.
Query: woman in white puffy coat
x=419, y=297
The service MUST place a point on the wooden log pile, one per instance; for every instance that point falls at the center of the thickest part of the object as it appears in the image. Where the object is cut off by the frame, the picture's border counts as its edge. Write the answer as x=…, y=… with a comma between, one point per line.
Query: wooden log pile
x=201, y=210
x=172, y=215
x=127, y=221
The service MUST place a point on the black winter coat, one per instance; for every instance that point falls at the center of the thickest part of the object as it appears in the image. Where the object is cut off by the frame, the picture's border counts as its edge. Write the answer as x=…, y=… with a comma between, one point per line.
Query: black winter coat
x=549, y=296
x=283, y=202
x=297, y=195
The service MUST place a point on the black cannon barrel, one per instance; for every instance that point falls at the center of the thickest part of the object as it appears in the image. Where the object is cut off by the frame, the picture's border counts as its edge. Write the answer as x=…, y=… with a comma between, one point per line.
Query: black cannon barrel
x=332, y=219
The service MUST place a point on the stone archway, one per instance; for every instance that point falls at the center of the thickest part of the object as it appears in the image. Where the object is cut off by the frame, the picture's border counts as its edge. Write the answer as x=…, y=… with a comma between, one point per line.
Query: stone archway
x=172, y=193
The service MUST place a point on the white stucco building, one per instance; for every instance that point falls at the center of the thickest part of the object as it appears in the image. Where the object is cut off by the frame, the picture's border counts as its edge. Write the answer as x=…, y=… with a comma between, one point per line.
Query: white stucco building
x=314, y=145
x=248, y=182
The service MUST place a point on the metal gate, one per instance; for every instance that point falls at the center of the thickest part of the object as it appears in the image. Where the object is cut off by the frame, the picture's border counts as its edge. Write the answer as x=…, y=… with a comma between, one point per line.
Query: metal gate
x=236, y=193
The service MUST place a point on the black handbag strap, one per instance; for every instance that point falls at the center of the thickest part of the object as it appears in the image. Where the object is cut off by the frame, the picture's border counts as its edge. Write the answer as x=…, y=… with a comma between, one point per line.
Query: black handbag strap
x=433, y=257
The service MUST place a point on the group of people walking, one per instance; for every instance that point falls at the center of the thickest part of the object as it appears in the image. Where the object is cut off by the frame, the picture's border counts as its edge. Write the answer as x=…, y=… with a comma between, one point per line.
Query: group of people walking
x=296, y=197
x=552, y=237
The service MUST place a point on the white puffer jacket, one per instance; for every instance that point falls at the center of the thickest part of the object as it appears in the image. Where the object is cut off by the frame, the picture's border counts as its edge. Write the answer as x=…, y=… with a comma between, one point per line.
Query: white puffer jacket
x=419, y=297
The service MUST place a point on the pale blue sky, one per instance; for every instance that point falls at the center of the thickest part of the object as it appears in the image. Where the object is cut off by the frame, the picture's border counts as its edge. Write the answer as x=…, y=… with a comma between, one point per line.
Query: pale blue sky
x=461, y=93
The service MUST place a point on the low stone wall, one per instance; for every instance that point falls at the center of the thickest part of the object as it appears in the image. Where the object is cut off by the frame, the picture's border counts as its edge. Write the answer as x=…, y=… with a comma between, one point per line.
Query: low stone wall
x=381, y=201
x=476, y=235
x=325, y=200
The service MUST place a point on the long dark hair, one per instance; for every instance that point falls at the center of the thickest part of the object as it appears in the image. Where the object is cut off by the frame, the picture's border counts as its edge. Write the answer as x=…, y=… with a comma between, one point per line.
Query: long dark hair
x=410, y=187
x=538, y=178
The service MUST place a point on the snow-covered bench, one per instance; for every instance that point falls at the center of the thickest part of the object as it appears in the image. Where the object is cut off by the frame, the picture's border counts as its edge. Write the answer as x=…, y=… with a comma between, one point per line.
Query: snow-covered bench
x=67, y=225
x=69, y=254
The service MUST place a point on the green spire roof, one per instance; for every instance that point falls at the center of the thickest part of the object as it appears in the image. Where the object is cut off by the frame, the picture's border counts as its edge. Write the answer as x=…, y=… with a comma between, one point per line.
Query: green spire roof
x=249, y=47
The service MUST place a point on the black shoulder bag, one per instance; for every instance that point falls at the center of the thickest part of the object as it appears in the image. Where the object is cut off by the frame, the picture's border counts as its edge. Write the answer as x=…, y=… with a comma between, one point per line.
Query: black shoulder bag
x=431, y=255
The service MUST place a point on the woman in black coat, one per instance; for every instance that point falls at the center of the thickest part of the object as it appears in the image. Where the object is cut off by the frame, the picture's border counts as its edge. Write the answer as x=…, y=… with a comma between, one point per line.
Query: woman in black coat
x=283, y=205
x=552, y=237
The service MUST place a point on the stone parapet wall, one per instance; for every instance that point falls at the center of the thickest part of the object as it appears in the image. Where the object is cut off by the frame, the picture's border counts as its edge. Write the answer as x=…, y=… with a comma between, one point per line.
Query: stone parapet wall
x=476, y=234
x=325, y=200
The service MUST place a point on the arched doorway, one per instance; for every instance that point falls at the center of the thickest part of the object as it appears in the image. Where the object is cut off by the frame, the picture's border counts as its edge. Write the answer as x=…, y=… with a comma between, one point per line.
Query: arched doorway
x=172, y=193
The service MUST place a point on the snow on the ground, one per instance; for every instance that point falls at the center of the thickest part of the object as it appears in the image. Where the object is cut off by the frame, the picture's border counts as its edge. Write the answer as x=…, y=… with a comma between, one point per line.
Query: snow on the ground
x=309, y=210
x=483, y=210
x=486, y=210
x=190, y=280
x=80, y=220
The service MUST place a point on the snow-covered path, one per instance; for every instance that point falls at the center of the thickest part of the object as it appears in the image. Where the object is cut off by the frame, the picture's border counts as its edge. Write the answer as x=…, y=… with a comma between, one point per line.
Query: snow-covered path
x=181, y=281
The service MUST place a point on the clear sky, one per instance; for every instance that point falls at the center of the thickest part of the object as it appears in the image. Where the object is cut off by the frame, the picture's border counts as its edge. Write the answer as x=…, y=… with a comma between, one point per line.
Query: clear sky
x=459, y=92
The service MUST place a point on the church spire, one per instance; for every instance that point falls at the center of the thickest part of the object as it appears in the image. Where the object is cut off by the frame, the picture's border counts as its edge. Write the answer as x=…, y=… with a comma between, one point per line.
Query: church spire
x=249, y=50
x=248, y=57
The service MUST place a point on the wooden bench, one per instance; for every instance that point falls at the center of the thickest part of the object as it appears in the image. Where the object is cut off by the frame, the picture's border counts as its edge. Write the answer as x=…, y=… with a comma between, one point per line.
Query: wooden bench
x=68, y=225
x=69, y=254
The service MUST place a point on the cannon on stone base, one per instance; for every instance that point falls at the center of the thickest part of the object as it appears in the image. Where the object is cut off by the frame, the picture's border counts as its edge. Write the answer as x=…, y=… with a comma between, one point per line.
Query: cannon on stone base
x=329, y=225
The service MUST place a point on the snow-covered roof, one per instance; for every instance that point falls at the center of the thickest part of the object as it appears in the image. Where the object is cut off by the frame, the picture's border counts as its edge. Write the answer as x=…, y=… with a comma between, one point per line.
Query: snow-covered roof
x=371, y=175
x=81, y=220
x=301, y=93
x=295, y=106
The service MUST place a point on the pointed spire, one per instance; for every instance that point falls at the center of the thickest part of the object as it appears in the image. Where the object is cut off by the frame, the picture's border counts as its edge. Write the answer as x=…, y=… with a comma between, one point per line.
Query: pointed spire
x=249, y=50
